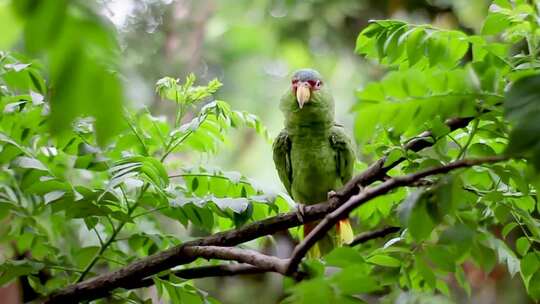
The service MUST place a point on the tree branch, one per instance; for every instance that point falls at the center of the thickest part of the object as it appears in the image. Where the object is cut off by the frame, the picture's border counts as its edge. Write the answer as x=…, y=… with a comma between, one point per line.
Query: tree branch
x=256, y=263
x=377, y=170
x=101, y=285
x=240, y=269
x=252, y=257
x=370, y=235
x=357, y=200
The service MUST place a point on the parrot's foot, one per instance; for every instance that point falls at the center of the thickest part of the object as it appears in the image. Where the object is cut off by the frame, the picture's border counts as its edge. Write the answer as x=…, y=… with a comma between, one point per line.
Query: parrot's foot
x=300, y=211
x=331, y=194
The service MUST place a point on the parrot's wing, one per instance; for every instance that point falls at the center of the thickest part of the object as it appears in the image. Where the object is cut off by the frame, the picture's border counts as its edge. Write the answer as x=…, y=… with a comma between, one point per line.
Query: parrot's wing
x=282, y=159
x=341, y=143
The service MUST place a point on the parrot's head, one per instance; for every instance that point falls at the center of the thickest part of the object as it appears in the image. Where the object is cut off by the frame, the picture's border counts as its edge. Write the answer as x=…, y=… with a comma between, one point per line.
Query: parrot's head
x=308, y=99
x=305, y=85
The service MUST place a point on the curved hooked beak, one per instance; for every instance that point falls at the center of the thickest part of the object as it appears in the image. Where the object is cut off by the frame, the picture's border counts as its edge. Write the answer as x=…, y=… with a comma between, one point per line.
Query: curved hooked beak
x=303, y=93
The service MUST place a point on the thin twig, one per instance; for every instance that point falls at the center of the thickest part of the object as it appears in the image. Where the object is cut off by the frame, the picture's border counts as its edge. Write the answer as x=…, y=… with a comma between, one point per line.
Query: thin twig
x=112, y=238
x=98, y=236
x=463, y=149
x=370, y=235
x=205, y=272
x=208, y=175
x=261, y=261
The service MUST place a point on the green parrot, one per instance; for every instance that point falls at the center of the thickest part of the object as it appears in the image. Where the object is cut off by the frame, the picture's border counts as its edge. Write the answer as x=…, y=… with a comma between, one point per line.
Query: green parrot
x=312, y=154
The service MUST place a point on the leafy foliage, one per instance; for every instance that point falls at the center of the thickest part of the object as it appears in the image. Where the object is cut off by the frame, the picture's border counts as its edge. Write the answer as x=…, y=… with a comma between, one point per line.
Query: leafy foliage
x=114, y=191
x=451, y=222
x=76, y=42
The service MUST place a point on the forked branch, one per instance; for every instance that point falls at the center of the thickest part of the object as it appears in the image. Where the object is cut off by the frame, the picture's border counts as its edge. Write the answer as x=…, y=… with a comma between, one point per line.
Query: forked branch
x=369, y=193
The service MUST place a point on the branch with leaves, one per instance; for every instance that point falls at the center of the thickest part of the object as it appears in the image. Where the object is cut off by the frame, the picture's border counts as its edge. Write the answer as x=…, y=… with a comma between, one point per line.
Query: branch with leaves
x=141, y=269
x=249, y=268
x=332, y=211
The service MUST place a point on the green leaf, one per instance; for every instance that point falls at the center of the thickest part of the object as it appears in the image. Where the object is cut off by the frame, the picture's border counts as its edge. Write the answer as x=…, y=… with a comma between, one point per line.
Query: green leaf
x=425, y=271
x=194, y=184
x=415, y=46
x=403, y=101
x=90, y=222
x=388, y=40
x=84, y=255
x=507, y=228
x=534, y=286
x=504, y=253
x=311, y=291
x=237, y=205
x=522, y=108
x=8, y=20
x=530, y=264
x=80, y=49
x=53, y=196
x=420, y=222
x=462, y=280
x=522, y=245
x=442, y=258
x=495, y=23
x=480, y=150
x=354, y=280
x=414, y=213
x=384, y=260
x=394, y=155
x=343, y=257
x=29, y=163
x=11, y=270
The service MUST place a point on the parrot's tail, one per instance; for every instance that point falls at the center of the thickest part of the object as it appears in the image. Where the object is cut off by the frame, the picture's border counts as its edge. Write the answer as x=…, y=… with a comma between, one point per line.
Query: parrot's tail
x=344, y=232
x=344, y=235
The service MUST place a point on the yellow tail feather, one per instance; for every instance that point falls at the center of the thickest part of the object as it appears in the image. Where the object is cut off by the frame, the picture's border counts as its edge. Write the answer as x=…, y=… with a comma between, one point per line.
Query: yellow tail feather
x=345, y=232
x=344, y=235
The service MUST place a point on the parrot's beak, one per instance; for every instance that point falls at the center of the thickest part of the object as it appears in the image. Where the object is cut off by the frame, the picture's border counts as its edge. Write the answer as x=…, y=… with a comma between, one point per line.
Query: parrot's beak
x=303, y=94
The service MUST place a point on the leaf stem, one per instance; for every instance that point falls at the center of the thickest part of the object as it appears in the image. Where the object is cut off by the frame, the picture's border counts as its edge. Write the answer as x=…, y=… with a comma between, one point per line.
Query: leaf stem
x=55, y=266
x=455, y=141
x=116, y=231
x=209, y=175
x=149, y=211
x=98, y=236
x=170, y=147
x=469, y=140
x=134, y=130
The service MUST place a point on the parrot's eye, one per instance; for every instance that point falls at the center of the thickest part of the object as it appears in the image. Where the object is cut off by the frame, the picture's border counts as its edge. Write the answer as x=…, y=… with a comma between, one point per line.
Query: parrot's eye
x=315, y=83
x=294, y=81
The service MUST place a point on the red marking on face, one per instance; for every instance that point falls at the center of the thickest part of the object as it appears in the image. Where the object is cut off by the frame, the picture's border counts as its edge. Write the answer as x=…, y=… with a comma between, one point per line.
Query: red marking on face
x=314, y=85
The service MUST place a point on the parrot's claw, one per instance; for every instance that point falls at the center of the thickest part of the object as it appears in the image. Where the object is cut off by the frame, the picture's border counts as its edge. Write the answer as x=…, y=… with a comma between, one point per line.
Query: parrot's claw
x=300, y=211
x=331, y=194
x=360, y=188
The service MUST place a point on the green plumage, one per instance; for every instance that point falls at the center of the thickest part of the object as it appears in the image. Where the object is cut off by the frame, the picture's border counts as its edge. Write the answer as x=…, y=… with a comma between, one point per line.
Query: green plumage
x=312, y=154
